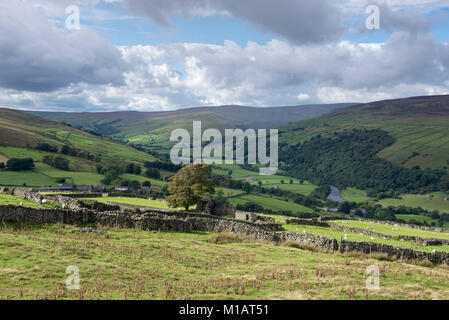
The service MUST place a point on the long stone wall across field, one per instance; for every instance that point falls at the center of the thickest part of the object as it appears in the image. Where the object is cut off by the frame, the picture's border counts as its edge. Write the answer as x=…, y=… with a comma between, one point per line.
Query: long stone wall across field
x=399, y=253
x=65, y=201
x=152, y=220
x=188, y=222
x=425, y=241
x=28, y=194
x=407, y=225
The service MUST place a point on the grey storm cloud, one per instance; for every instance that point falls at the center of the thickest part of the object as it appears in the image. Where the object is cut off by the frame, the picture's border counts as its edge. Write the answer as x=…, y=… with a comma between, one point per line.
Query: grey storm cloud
x=299, y=21
x=38, y=55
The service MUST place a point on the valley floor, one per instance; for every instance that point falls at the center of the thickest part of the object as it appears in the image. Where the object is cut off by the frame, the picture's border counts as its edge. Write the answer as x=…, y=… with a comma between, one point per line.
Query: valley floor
x=133, y=264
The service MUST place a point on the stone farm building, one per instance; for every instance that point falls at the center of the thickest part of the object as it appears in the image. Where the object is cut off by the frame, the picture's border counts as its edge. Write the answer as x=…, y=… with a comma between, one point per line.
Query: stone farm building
x=59, y=188
x=84, y=188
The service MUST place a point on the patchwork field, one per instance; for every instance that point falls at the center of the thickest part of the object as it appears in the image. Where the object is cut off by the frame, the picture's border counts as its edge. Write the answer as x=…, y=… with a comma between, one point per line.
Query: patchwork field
x=25, y=178
x=305, y=188
x=133, y=264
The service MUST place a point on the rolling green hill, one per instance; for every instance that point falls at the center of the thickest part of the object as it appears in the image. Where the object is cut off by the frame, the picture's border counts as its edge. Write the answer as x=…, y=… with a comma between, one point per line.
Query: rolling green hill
x=419, y=125
x=19, y=129
x=153, y=129
x=21, y=133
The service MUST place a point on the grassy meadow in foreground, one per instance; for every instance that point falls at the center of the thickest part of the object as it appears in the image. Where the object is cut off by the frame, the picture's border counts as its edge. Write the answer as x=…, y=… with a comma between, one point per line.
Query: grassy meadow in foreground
x=133, y=264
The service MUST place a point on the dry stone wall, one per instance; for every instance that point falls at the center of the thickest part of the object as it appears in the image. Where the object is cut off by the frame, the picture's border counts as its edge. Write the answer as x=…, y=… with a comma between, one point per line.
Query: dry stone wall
x=28, y=194
x=426, y=241
x=400, y=253
x=65, y=201
x=187, y=222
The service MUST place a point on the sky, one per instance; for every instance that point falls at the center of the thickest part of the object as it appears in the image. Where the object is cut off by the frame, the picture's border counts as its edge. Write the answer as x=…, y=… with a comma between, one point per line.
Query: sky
x=160, y=55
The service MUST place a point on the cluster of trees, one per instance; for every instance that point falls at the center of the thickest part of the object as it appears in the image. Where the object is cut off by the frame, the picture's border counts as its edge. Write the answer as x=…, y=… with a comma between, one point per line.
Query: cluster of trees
x=133, y=168
x=348, y=159
x=132, y=184
x=111, y=173
x=67, y=150
x=57, y=162
x=160, y=165
x=228, y=182
x=321, y=192
x=46, y=147
x=153, y=173
x=16, y=164
x=152, y=169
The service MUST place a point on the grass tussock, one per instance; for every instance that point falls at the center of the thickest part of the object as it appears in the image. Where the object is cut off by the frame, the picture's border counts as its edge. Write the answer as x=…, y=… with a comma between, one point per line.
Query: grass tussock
x=375, y=255
x=296, y=245
x=227, y=238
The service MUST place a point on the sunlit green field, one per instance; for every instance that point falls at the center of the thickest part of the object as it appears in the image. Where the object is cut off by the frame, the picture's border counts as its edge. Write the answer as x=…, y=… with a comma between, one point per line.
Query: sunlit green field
x=132, y=201
x=27, y=178
x=415, y=201
x=354, y=195
x=270, y=203
x=132, y=264
x=228, y=192
x=422, y=219
x=76, y=164
x=238, y=173
x=6, y=199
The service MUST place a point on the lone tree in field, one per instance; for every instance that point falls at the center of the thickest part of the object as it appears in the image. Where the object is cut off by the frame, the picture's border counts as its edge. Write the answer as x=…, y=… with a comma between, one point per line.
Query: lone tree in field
x=188, y=185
